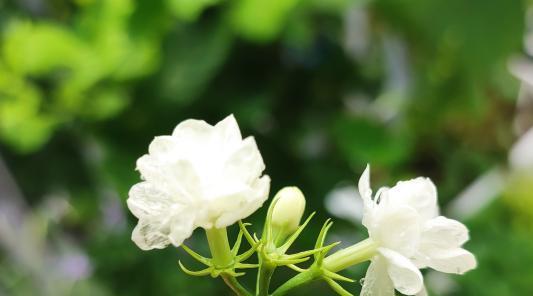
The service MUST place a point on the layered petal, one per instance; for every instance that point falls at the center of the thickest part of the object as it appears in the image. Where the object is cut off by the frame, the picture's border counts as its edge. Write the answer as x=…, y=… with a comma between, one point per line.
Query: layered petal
x=364, y=188
x=229, y=208
x=174, y=177
x=405, y=276
x=227, y=132
x=193, y=133
x=181, y=226
x=145, y=200
x=149, y=234
x=419, y=193
x=440, y=246
x=164, y=147
x=456, y=260
x=377, y=281
x=200, y=176
x=245, y=164
x=153, y=233
x=441, y=232
x=396, y=227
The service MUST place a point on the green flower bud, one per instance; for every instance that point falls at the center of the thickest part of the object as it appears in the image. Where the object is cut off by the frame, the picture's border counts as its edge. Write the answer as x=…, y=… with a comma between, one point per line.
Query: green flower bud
x=287, y=213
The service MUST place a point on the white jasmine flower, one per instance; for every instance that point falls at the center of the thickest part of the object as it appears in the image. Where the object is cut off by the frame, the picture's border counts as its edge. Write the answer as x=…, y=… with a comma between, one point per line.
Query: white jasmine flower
x=404, y=223
x=200, y=176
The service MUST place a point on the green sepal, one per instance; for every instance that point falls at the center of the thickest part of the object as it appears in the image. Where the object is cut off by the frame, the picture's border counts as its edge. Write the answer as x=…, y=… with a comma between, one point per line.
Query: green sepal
x=319, y=256
x=310, y=252
x=336, y=276
x=337, y=288
x=237, y=259
x=202, y=272
x=246, y=265
x=237, y=245
x=283, y=249
x=296, y=268
x=281, y=261
x=248, y=253
x=234, y=273
x=247, y=235
x=267, y=229
x=197, y=256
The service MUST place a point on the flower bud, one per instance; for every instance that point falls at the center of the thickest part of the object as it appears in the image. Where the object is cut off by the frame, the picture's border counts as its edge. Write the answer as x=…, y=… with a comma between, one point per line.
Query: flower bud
x=287, y=212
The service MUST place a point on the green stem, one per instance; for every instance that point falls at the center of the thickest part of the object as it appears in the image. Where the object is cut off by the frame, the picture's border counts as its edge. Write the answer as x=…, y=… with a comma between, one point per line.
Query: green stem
x=235, y=286
x=300, y=279
x=264, y=274
x=338, y=261
x=217, y=238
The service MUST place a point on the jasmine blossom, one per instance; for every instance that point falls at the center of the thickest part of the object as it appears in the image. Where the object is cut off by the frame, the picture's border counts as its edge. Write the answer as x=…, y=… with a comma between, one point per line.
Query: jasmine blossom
x=405, y=225
x=200, y=176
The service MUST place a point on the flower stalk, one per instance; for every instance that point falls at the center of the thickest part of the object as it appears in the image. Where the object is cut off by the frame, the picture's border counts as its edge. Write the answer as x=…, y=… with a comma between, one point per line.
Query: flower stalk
x=340, y=260
x=235, y=286
x=217, y=239
x=282, y=228
x=350, y=256
x=301, y=279
x=264, y=274
x=223, y=258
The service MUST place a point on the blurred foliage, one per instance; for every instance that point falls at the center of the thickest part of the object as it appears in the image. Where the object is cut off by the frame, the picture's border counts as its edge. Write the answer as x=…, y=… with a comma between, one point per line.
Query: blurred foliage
x=414, y=87
x=504, y=252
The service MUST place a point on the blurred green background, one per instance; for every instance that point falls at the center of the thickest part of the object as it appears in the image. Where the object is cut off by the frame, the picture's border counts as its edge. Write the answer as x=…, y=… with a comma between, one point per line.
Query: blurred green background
x=439, y=88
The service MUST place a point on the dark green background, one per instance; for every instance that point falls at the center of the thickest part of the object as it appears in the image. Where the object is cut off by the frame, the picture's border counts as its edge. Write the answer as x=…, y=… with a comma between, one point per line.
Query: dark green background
x=85, y=85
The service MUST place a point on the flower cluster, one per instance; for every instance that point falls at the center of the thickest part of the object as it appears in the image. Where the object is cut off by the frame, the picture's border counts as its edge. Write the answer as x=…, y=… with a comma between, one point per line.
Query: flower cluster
x=210, y=177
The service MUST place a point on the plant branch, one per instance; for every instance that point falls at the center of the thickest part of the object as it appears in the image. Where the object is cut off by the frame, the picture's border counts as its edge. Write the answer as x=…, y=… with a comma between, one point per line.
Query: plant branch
x=338, y=261
x=234, y=285
x=223, y=258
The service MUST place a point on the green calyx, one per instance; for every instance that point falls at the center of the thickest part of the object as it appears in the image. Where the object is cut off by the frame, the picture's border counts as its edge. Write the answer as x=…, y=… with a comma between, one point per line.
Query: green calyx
x=326, y=268
x=272, y=248
x=224, y=261
x=280, y=231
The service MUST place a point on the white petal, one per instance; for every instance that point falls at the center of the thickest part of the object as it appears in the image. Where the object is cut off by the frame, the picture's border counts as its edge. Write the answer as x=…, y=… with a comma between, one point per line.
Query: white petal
x=177, y=178
x=419, y=193
x=419, y=259
x=193, y=130
x=156, y=232
x=181, y=227
x=396, y=227
x=364, y=187
x=231, y=208
x=184, y=179
x=423, y=292
x=404, y=275
x=165, y=146
x=245, y=164
x=377, y=281
x=145, y=200
x=441, y=232
x=148, y=235
x=456, y=261
x=154, y=170
x=195, y=140
x=228, y=131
